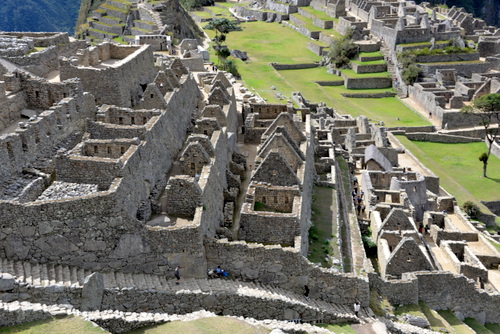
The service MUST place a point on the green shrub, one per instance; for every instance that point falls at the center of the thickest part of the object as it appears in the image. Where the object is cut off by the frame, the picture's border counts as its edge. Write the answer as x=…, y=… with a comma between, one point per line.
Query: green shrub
x=471, y=209
x=342, y=50
x=410, y=74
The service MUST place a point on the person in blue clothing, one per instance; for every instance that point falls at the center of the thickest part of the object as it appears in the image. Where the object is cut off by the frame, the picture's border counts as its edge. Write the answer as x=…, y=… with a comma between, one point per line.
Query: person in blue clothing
x=221, y=272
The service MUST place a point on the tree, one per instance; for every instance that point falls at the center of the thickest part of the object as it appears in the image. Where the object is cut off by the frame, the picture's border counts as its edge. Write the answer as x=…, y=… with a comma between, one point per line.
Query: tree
x=488, y=108
x=222, y=27
x=342, y=50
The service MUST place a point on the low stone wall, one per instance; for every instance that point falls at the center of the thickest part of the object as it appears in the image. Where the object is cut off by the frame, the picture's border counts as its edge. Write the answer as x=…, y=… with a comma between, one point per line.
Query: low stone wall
x=441, y=138
x=317, y=49
x=330, y=83
x=360, y=68
x=302, y=30
x=279, y=67
x=281, y=7
x=464, y=69
x=247, y=12
x=447, y=57
x=495, y=147
x=369, y=95
x=441, y=291
x=366, y=83
x=287, y=269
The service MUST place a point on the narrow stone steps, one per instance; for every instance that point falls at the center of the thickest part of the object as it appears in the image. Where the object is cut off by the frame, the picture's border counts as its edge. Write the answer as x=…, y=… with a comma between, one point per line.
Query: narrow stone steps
x=47, y=274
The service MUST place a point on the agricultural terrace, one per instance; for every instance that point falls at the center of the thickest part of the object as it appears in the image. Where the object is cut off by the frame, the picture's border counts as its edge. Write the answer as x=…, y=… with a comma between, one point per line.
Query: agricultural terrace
x=272, y=42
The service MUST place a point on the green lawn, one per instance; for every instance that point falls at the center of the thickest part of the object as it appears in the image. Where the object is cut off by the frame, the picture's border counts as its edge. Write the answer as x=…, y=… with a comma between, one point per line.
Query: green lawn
x=319, y=14
x=438, y=323
x=214, y=325
x=371, y=54
x=309, y=25
x=459, y=170
x=339, y=328
x=271, y=42
x=372, y=62
x=458, y=326
x=409, y=309
x=54, y=326
x=477, y=327
x=352, y=74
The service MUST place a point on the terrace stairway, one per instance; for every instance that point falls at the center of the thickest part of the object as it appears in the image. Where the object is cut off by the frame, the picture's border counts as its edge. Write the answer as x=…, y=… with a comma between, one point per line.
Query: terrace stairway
x=44, y=275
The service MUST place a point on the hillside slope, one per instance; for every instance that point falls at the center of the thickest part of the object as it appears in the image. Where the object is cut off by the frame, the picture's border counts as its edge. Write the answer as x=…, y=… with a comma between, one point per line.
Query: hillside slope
x=488, y=10
x=38, y=15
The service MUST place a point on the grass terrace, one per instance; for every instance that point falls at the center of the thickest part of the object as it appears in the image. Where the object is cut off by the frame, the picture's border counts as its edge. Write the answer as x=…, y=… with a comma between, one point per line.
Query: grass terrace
x=352, y=74
x=319, y=14
x=55, y=326
x=271, y=42
x=202, y=14
x=224, y=4
x=456, y=62
x=372, y=62
x=424, y=44
x=223, y=12
x=371, y=54
x=458, y=326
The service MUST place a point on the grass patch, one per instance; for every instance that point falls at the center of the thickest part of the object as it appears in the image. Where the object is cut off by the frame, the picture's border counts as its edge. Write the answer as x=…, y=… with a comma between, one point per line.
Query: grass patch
x=409, y=309
x=371, y=54
x=494, y=328
x=476, y=326
x=459, y=170
x=456, y=62
x=319, y=14
x=352, y=74
x=458, y=326
x=371, y=62
x=380, y=305
x=271, y=42
x=438, y=323
x=213, y=325
x=343, y=328
x=55, y=326
x=203, y=14
x=322, y=238
x=424, y=43
x=120, y=40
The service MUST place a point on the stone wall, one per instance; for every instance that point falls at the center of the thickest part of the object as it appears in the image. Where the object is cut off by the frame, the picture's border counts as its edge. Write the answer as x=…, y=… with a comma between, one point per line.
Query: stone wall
x=68, y=231
x=41, y=39
x=463, y=69
x=135, y=68
x=280, y=67
x=447, y=57
x=440, y=138
x=287, y=269
x=366, y=83
x=247, y=12
x=360, y=68
x=301, y=30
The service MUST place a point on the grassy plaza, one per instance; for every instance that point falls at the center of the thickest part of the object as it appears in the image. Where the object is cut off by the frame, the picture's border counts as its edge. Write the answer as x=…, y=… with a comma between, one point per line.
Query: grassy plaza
x=272, y=42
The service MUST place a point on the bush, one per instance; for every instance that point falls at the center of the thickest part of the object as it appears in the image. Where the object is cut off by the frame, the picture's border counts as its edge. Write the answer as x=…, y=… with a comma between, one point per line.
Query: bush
x=342, y=51
x=471, y=209
x=410, y=74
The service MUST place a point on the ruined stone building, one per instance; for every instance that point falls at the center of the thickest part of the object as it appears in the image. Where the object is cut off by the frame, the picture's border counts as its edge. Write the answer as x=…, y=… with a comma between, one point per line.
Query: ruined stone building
x=120, y=164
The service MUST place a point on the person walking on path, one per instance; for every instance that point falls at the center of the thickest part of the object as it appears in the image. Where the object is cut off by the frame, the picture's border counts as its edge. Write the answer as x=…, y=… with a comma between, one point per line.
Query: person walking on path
x=357, y=307
x=306, y=292
x=177, y=274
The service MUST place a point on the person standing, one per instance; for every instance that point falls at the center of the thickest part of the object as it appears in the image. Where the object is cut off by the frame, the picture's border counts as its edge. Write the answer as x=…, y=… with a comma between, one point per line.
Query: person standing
x=306, y=292
x=177, y=274
x=357, y=307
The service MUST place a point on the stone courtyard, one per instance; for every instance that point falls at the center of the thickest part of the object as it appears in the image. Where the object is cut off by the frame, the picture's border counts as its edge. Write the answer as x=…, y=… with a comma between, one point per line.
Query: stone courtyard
x=122, y=162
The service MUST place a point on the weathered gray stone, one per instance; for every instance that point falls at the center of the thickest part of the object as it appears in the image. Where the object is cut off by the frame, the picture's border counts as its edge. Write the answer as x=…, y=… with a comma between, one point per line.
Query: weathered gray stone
x=93, y=290
x=7, y=282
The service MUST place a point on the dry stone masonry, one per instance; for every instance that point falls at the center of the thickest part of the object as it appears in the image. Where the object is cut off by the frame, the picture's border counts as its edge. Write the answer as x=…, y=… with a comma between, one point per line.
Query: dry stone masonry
x=120, y=163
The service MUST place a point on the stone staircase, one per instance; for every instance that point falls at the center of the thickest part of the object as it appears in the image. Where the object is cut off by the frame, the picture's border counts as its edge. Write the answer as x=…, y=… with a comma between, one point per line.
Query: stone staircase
x=154, y=15
x=45, y=275
x=391, y=69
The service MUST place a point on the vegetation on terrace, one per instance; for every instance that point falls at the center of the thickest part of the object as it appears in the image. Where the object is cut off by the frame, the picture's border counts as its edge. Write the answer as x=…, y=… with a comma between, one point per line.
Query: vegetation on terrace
x=271, y=42
x=319, y=14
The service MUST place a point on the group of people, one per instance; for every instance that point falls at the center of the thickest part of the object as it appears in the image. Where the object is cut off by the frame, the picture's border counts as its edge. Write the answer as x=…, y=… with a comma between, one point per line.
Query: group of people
x=217, y=272
x=358, y=198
